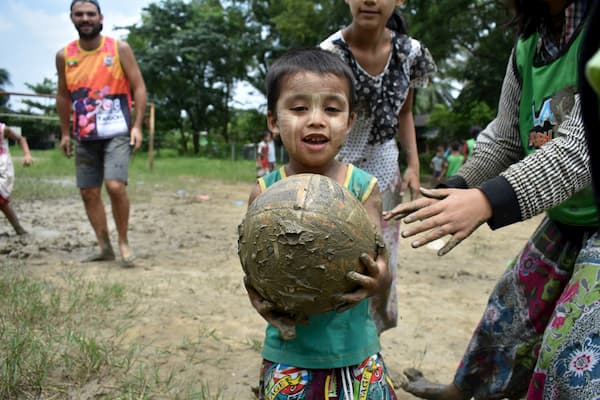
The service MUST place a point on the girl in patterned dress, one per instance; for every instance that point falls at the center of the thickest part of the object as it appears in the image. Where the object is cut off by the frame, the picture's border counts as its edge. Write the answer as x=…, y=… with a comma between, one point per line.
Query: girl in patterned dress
x=387, y=65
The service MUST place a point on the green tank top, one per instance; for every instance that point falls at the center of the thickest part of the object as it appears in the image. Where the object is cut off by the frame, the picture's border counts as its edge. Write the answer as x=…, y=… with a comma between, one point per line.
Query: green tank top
x=454, y=164
x=544, y=86
x=332, y=340
x=470, y=146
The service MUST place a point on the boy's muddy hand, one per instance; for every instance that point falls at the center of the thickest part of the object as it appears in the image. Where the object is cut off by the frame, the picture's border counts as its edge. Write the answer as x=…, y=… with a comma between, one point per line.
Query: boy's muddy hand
x=285, y=324
x=376, y=280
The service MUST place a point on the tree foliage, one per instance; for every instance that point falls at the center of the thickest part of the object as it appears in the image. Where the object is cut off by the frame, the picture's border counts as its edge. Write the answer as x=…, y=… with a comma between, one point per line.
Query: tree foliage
x=471, y=42
x=193, y=53
x=4, y=80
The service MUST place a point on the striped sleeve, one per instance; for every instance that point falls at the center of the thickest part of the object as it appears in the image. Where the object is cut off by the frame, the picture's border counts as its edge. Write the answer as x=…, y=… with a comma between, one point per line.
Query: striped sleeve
x=520, y=187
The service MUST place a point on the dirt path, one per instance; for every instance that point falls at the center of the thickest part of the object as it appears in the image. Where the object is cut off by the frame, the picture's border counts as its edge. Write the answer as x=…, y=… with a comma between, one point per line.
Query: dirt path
x=193, y=314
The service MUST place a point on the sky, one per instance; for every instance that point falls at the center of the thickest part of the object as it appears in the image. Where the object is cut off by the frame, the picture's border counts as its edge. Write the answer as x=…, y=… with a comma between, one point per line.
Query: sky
x=32, y=31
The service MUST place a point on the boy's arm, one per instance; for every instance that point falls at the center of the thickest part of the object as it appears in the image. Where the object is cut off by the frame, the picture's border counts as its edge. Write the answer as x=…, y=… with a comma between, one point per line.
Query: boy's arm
x=376, y=278
x=9, y=133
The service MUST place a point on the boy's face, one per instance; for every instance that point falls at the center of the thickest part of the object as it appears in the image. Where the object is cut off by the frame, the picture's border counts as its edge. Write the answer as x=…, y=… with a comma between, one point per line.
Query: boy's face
x=312, y=116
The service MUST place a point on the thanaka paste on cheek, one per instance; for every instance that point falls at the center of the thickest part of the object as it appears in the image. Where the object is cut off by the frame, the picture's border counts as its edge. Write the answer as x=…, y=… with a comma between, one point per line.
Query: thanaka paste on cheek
x=287, y=127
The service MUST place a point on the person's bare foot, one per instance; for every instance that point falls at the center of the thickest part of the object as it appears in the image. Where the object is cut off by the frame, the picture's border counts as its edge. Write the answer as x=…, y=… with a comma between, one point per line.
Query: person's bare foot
x=106, y=254
x=419, y=386
x=127, y=256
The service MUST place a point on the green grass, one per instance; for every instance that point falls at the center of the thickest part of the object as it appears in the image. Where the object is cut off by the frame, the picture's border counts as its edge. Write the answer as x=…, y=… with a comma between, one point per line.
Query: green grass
x=58, y=337
x=52, y=175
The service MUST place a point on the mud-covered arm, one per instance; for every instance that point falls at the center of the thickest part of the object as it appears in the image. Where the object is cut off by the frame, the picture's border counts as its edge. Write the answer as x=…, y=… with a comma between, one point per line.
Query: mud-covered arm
x=377, y=277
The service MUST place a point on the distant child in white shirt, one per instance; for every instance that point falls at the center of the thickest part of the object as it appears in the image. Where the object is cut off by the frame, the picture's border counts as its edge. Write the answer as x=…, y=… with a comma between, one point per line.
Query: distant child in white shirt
x=7, y=173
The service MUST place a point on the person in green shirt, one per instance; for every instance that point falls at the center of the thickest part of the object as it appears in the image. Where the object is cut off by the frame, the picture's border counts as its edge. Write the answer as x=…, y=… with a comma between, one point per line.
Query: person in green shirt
x=454, y=161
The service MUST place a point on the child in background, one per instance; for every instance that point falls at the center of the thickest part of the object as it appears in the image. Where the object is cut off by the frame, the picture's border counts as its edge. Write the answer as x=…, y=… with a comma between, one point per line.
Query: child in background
x=7, y=173
x=262, y=159
x=387, y=65
x=437, y=165
x=271, y=155
x=453, y=161
x=310, y=99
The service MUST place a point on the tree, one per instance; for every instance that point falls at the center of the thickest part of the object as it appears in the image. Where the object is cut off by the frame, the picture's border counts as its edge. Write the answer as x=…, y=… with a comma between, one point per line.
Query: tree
x=471, y=43
x=288, y=24
x=39, y=120
x=191, y=55
x=4, y=80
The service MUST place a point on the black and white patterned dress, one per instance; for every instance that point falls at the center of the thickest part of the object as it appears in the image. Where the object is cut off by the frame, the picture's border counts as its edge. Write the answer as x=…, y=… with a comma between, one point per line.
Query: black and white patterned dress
x=371, y=143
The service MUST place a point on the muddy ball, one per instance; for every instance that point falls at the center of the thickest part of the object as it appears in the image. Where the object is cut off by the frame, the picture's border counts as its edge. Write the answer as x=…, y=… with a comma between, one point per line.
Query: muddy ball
x=300, y=238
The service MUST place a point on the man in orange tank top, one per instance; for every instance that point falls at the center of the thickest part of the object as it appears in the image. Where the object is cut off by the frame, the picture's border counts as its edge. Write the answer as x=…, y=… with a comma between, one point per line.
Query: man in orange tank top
x=98, y=77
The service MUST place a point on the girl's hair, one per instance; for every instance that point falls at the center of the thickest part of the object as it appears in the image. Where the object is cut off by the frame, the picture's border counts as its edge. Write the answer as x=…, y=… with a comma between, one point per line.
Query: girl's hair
x=528, y=15
x=397, y=23
x=316, y=60
x=589, y=98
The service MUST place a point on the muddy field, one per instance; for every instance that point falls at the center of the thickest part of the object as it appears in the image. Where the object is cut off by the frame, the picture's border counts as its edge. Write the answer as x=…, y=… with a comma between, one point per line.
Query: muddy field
x=188, y=283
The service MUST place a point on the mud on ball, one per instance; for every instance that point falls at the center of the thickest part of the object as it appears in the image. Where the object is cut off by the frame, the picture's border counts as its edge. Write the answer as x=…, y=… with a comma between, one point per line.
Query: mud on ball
x=300, y=238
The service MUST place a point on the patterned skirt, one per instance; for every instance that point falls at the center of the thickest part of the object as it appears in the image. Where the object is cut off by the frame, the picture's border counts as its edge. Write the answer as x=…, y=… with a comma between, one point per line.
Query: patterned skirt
x=539, y=331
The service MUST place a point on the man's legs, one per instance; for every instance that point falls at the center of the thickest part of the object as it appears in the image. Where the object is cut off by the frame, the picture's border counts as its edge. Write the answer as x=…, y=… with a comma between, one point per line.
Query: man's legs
x=94, y=207
x=117, y=154
x=120, y=208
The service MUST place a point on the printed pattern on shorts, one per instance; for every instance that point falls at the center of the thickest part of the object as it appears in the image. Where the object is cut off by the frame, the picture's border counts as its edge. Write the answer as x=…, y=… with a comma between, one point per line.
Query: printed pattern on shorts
x=366, y=381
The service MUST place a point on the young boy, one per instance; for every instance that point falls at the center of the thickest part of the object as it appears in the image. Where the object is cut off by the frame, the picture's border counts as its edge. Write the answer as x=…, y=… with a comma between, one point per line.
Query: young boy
x=310, y=100
x=7, y=174
x=453, y=161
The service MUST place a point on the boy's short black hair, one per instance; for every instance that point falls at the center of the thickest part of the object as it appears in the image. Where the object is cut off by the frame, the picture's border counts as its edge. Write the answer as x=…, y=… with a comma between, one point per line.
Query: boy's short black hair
x=314, y=60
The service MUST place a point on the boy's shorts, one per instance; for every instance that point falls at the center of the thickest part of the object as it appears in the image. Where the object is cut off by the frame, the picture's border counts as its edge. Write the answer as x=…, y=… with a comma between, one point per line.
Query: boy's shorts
x=4, y=200
x=102, y=160
x=367, y=381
